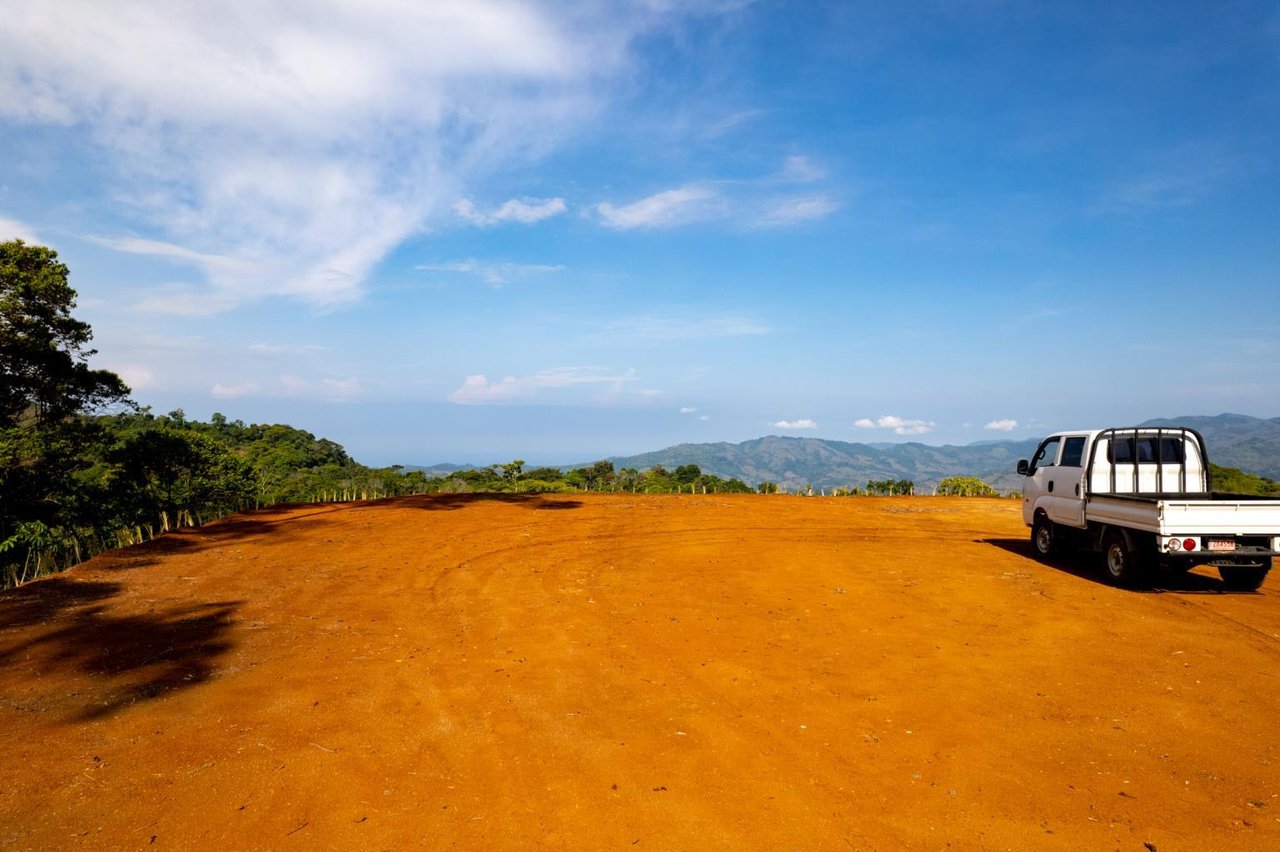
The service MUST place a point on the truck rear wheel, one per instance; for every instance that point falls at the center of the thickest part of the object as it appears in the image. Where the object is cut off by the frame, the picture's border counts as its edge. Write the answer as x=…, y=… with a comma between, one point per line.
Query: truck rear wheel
x=1044, y=538
x=1243, y=578
x=1123, y=565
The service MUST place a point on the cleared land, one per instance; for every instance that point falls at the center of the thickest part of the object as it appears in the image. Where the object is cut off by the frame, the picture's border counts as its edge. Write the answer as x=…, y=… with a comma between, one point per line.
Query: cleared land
x=632, y=672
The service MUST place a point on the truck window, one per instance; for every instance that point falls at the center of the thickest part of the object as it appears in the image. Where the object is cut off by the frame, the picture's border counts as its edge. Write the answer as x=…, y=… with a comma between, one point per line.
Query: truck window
x=1072, y=452
x=1047, y=455
x=1123, y=450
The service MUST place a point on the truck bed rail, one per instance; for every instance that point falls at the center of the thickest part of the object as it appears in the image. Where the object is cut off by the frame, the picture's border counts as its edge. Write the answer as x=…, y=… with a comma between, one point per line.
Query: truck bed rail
x=1174, y=455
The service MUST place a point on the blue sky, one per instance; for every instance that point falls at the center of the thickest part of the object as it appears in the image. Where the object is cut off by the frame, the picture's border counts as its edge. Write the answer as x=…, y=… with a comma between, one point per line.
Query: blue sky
x=477, y=230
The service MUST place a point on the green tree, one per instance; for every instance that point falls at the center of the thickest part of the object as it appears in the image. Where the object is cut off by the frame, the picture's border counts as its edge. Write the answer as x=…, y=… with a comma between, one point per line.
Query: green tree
x=890, y=487
x=965, y=486
x=46, y=386
x=511, y=471
x=44, y=371
x=599, y=475
x=687, y=474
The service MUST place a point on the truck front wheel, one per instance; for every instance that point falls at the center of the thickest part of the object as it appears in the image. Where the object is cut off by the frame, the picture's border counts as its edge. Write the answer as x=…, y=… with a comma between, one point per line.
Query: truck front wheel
x=1044, y=537
x=1243, y=578
x=1124, y=566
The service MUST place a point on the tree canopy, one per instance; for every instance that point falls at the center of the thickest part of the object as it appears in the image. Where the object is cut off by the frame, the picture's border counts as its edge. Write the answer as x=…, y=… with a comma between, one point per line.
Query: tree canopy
x=44, y=371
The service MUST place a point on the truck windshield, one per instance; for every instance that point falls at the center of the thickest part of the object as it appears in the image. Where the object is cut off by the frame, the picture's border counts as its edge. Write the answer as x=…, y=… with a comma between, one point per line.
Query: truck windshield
x=1047, y=455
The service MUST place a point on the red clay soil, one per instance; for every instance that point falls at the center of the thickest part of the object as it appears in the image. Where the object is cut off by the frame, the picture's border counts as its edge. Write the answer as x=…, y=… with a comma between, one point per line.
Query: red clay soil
x=633, y=672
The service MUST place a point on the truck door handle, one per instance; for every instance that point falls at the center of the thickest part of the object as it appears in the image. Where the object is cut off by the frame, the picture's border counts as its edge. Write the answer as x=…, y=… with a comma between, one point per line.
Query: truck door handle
x=1051, y=485
x=1077, y=489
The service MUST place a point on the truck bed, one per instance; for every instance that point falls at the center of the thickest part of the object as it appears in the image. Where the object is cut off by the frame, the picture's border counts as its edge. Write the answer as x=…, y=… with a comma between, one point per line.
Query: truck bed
x=1213, y=513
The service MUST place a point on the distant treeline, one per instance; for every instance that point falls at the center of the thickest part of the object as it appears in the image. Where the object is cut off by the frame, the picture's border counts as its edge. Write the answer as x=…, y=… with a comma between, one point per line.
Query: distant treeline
x=1233, y=481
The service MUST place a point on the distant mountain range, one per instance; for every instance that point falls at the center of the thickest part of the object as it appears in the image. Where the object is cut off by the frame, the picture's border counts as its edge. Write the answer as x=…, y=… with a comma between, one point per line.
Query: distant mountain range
x=1234, y=440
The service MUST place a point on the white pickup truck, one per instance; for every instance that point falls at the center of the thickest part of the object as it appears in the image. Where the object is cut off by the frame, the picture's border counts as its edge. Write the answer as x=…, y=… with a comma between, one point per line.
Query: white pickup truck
x=1142, y=497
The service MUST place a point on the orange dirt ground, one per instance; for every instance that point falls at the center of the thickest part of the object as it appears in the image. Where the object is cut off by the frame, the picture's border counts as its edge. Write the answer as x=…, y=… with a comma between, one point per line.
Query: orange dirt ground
x=633, y=672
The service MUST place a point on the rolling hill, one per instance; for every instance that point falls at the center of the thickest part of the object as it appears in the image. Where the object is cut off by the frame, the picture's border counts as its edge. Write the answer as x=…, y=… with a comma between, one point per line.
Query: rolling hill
x=1249, y=443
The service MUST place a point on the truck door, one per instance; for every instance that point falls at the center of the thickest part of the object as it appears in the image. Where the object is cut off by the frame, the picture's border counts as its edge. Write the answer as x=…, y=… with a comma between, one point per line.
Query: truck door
x=1055, y=481
x=1068, y=483
x=1035, y=488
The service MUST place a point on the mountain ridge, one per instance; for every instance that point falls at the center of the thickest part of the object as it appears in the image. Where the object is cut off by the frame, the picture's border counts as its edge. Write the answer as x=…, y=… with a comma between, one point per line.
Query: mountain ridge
x=1249, y=443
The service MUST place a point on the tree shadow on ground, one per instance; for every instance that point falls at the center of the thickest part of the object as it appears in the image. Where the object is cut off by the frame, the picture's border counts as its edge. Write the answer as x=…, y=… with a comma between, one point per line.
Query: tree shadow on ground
x=37, y=603
x=60, y=627
x=1088, y=566
x=453, y=502
x=242, y=526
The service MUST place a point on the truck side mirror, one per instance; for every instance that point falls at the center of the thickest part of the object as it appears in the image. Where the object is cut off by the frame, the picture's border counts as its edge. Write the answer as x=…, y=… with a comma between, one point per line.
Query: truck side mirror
x=1023, y=468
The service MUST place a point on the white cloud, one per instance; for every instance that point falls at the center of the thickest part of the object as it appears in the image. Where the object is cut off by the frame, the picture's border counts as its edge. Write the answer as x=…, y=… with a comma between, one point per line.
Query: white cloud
x=688, y=410
x=495, y=273
x=340, y=388
x=526, y=211
x=479, y=390
x=301, y=145
x=663, y=209
x=138, y=377
x=221, y=391
x=12, y=229
x=795, y=424
x=899, y=425
x=785, y=212
x=730, y=123
x=183, y=300
x=767, y=201
x=1002, y=425
x=798, y=169
x=328, y=389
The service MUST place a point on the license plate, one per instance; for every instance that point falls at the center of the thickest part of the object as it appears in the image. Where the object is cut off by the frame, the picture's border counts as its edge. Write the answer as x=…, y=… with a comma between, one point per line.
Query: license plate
x=1222, y=544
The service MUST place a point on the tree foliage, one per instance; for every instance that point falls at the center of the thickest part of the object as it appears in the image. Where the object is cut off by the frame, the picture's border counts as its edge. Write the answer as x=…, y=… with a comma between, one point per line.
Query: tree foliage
x=1234, y=481
x=965, y=486
x=890, y=487
x=43, y=348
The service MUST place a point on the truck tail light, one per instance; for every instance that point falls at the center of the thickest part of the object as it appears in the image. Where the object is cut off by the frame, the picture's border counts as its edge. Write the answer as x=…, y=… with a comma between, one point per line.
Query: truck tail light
x=1189, y=544
x=1174, y=545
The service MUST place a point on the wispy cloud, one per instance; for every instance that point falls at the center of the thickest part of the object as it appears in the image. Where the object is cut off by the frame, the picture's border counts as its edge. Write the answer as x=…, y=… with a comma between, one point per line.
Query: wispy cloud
x=899, y=425
x=795, y=424
x=800, y=169
x=12, y=229
x=495, y=273
x=768, y=201
x=1002, y=425
x=731, y=122
x=794, y=211
x=183, y=300
x=234, y=391
x=526, y=211
x=327, y=388
x=1178, y=178
x=663, y=209
x=480, y=390
x=251, y=139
